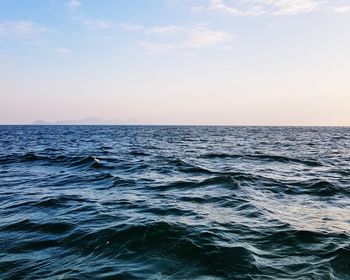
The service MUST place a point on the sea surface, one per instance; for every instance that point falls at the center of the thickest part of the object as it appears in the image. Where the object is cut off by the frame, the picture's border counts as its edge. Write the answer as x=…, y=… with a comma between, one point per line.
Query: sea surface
x=174, y=202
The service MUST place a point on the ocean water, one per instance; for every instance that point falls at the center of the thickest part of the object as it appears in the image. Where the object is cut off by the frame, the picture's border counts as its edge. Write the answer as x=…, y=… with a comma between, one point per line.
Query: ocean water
x=162, y=202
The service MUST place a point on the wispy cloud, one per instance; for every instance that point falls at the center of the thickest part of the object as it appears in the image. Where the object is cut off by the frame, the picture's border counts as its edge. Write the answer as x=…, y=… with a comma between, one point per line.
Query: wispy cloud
x=20, y=29
x=259, y=7
x=341, y=9
x=95, y=24
x=265, y=7
x=130, y=27
x=158, y=48
x=188, y=38
x=72, y=5
x=164, y=29
x=150, y=30
x=63, y=51
x=220, y=6
x=165, y=38
x=202, y=37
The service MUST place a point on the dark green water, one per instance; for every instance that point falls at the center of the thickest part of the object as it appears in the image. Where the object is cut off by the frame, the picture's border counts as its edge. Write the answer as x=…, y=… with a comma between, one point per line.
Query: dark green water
x=110, y=202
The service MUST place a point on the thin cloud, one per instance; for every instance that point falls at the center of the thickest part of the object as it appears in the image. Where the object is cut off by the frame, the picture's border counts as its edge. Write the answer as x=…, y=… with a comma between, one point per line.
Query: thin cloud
x=192, y=38
x=72, y=5
x=20, y=29
x=341, y=9
x=203, y=37
x=167, y=38
x=149, y=30
x=130, y=27
x=266, y=7
x=93, y=24
x=64, y=51
x=164, y=29
x=220, y=6
x=158, y=48
x=259, y=7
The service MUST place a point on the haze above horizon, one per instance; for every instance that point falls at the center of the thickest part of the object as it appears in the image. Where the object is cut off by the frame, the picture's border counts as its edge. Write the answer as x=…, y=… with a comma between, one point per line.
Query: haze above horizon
x=229, y=62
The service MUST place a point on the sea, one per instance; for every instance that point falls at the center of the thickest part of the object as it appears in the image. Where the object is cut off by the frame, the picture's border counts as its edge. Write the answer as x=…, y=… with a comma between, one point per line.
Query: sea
x=174, y=202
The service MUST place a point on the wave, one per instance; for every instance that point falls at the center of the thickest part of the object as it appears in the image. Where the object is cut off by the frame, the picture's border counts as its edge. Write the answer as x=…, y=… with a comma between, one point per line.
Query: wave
x=223, y=180
x=276, y=158
x=318, y=188
x=186, y=167
x=138, y=153
x=165, y=240
x=30, y=226
x=90, y=162
x=32, y=157
x=87, y=161
x=54, y=201
x=27, y=157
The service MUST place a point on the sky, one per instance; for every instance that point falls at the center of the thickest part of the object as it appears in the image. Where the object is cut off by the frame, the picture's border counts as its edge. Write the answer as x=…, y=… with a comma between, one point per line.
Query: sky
x=215, y=62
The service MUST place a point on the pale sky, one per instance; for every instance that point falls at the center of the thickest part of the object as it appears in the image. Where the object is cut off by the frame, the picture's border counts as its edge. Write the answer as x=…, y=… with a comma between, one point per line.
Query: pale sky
x=226, y=62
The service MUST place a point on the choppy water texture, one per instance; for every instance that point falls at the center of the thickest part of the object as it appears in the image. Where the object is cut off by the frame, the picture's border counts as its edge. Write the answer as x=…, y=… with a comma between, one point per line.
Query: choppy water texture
x=85, y=202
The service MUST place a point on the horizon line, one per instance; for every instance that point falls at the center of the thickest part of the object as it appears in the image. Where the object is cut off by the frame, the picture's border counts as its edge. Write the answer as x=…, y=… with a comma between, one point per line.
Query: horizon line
x=204, y=125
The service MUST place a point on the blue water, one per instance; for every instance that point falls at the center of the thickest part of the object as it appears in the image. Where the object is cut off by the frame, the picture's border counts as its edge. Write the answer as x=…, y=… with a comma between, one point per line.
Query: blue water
x=153, y=202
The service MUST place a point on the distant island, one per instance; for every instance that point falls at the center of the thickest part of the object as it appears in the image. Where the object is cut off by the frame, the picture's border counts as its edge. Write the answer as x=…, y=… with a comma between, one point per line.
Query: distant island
x=86, y=121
